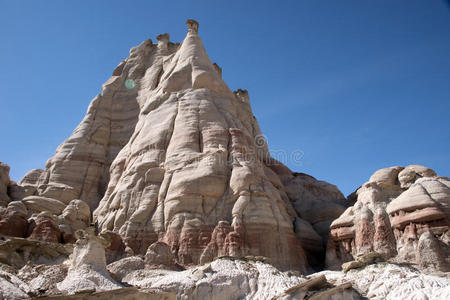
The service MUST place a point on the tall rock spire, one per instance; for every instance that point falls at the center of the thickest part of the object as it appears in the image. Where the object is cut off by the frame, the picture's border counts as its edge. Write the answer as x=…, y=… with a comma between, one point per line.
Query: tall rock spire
x=168, y=154
x=192, y=167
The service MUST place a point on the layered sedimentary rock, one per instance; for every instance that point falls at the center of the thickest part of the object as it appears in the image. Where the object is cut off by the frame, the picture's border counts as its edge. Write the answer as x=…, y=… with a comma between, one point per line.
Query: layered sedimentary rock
x=317, y=204
x=13, y=219
x=401, y=213
x=196, y=165
x=87, y=268
x=179, y=176
x=168, y=154
x=27, y=186
x=80, y=167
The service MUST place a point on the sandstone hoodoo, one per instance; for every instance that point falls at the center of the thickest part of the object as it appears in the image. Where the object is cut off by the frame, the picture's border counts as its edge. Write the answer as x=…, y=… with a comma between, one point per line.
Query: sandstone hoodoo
x=402, y=214
x=167, y=185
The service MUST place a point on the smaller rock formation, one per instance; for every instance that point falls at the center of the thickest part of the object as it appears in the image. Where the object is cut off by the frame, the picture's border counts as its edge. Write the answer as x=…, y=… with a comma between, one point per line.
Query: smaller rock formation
x=159, y=255
x=192, y=26
x=411, y=173
x=13, y=220
x=87, y=270
x=43, y=227
x=116, y=249
x=37, y=204
x=423, y=208
x=75, y=216
x=362, y=261
x=27, y=186
x=17, y=252
x=119, y=269
x=392, y=211
x=430, y=253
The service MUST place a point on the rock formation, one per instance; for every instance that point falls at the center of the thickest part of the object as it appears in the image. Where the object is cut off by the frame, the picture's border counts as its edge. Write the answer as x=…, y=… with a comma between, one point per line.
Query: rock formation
x=167, y=153
x=13, y=220
x=167, y=185
x=401, y=213
x=87, y=269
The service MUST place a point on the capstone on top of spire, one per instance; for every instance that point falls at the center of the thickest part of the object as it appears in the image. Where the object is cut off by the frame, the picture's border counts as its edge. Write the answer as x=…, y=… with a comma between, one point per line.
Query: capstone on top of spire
x=192, y=26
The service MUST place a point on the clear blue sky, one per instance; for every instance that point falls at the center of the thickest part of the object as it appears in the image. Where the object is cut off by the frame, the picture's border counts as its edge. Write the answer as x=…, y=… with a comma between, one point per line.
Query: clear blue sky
x=355, y=85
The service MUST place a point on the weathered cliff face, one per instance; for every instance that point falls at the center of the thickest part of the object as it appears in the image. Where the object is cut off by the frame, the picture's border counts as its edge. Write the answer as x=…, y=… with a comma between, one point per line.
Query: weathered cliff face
x=80, y=167
x=167, y=153
x=401, y=213
x=195, y=165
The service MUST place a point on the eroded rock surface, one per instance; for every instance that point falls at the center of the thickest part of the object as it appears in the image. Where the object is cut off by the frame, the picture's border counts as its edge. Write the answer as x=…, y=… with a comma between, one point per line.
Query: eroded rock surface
x=167, y=153
x=196, y=173
x=13, y=219
x=402, y=214
x=178, y=176
x=87, y=269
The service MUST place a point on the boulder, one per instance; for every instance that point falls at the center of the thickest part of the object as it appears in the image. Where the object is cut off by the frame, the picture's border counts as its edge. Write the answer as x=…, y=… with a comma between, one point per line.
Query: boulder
x=119, y=269
x=39, y=204
x=159, y=255
x=411, y=173
x=13, y=220
x=76, y=215
x=43, y=227
x=431, y=254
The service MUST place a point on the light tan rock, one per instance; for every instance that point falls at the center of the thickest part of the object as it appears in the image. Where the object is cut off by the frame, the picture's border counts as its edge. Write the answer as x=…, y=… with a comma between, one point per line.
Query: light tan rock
x=388, y=176
x=411, y=173
x=392, y=211
x=76, y=215
x=159, y=255
x=196, y=158
x=167, y=153
x=80, y=167
x=431, y=254
x=13, y=219
x=87, y=268
x=119, y=269
x=40, y=204
x=27, y=186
